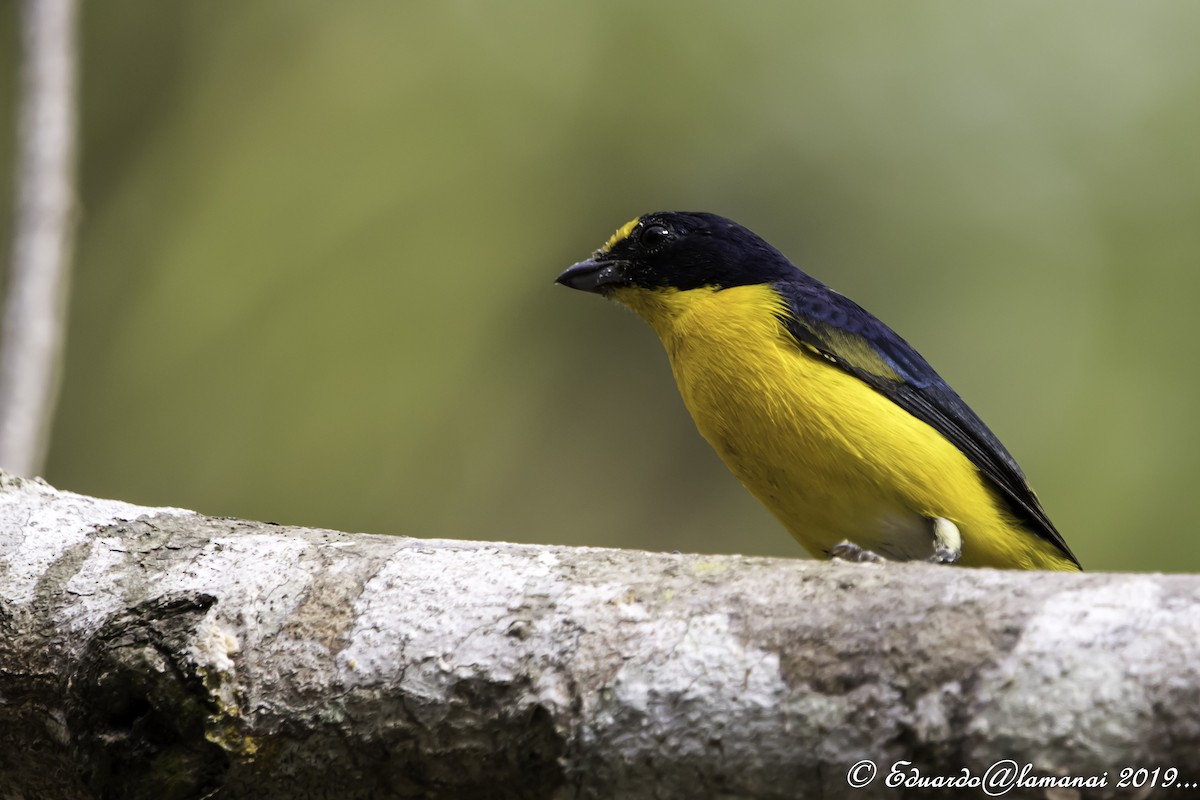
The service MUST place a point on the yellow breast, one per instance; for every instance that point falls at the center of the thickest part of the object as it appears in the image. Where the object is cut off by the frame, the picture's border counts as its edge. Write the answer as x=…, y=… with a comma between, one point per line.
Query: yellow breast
x=831, y=458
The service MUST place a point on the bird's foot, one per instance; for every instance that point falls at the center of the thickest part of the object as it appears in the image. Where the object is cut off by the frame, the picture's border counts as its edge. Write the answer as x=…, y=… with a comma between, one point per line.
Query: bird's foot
x=849, y=551
x=947, y=542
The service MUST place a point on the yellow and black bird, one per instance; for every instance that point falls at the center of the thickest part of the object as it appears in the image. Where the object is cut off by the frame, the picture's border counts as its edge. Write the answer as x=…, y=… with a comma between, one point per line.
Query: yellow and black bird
x=824, y=413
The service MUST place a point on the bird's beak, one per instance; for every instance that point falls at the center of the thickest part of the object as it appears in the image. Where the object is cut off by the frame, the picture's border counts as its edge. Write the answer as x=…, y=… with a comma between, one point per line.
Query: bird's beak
x=595, y=276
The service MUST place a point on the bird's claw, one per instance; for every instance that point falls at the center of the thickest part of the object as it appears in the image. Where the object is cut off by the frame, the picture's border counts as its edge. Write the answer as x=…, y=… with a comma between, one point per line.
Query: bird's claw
x=947, y=542
x=849, y=551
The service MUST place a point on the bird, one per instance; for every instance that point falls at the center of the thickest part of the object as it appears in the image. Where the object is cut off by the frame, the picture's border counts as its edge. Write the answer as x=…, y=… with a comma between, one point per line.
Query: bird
x=825, y=414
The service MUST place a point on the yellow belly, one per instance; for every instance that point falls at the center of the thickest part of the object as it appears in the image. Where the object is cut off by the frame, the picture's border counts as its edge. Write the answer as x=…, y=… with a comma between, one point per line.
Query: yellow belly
x=829, y=456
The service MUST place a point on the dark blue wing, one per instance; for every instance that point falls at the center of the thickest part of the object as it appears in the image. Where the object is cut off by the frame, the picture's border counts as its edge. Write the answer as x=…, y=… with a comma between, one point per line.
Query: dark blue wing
x=852, y=339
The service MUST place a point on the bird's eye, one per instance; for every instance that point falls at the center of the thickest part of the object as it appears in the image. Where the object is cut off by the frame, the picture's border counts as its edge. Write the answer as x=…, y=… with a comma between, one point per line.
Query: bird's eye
x=653, y=236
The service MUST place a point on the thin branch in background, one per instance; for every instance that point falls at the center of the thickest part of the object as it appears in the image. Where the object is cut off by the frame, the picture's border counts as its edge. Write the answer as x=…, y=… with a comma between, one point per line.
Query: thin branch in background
x=34, y=322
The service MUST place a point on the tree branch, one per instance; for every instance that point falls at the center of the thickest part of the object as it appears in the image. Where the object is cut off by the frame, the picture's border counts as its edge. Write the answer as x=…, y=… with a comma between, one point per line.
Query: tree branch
x=160, y=653
x=34, y=320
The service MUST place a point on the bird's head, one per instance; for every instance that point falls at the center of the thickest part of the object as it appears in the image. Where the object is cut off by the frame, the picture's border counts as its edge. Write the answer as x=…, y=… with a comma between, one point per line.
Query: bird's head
x=678, y=250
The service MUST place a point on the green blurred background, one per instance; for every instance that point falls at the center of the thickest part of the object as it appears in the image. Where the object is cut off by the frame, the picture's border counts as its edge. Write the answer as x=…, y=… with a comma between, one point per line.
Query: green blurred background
x=317, y=244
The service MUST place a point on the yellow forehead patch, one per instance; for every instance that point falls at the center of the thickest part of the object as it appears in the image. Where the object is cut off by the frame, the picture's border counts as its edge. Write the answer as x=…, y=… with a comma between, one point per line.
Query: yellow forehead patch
x=622, y=233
